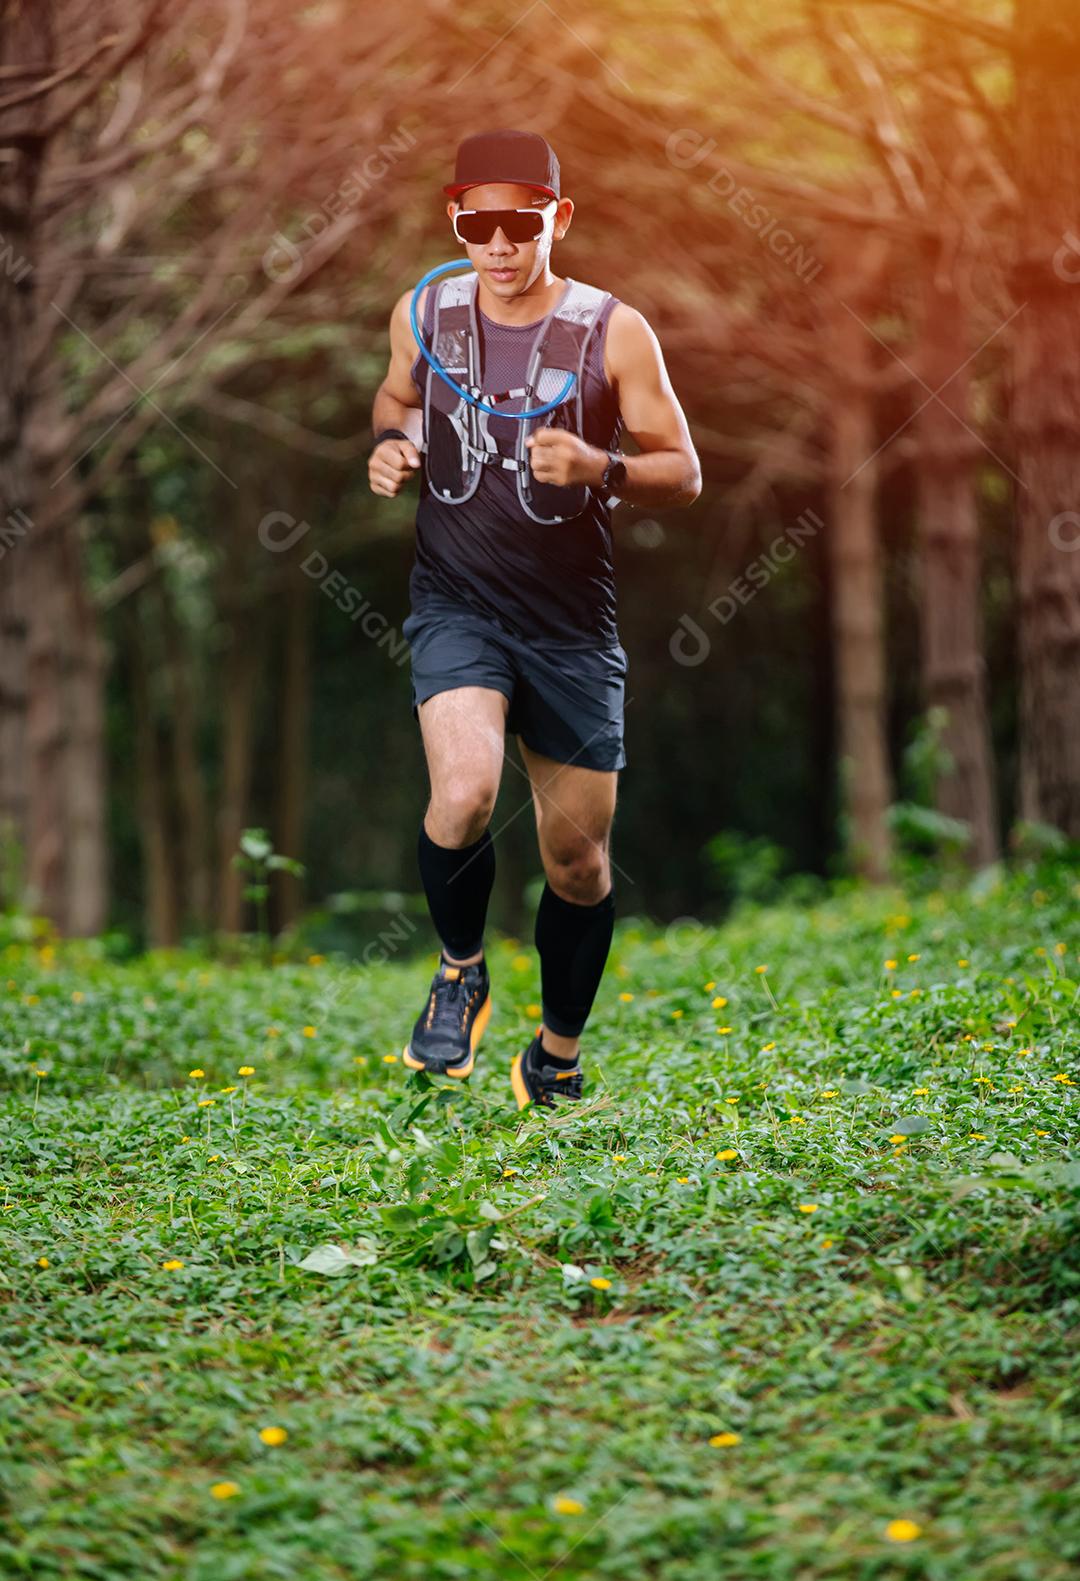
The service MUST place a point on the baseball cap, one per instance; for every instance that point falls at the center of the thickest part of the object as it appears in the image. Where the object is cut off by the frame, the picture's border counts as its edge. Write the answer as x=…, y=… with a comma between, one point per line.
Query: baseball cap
x=525, y=158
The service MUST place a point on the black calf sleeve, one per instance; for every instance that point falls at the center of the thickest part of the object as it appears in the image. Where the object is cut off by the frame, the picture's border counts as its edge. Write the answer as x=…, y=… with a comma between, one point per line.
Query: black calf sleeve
x=573, y=942
x=457, y=882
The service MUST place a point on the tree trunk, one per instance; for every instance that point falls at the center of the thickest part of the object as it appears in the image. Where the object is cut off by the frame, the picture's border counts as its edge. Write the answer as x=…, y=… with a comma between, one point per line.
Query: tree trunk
x=26, y=42
x=294, y=746
x=855, y=571
x=159, y=885
x=241, y=679
x=190, y=790
x=1047, y=408
x=953, y=678
x=87, y=873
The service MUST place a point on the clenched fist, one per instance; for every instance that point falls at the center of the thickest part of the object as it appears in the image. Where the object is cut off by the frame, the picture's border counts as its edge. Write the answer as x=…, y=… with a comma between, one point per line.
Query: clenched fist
x=391, y=464
x=557, y=456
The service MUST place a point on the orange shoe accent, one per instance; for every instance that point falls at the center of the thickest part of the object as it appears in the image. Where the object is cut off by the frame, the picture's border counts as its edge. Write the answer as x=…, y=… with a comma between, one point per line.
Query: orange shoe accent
x=517, y=1081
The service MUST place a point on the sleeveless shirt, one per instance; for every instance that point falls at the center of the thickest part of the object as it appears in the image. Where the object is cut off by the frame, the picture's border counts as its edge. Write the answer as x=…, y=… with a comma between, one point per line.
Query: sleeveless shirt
x=553, y=586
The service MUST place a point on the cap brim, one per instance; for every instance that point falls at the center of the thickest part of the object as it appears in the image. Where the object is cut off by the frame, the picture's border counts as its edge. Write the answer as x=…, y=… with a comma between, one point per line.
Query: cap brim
x=455, y=188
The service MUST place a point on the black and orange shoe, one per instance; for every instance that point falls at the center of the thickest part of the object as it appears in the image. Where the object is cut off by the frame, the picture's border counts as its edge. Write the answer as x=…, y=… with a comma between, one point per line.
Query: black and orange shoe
x=535, y=1079
x=447, y=1031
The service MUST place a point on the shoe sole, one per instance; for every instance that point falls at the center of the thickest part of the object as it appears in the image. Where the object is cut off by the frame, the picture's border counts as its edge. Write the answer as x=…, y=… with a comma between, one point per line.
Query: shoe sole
x=517, y=1081
x=458, y=1072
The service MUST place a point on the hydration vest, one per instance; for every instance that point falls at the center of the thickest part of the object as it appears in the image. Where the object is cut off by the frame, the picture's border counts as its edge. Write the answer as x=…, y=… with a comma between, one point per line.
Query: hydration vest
x=456, y=441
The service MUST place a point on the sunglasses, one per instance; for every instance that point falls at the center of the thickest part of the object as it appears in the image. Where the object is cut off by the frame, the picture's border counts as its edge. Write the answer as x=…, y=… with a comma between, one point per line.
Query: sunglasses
x=517, y=225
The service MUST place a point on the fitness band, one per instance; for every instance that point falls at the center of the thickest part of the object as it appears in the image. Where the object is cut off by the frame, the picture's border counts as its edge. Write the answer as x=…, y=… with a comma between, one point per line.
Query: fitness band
x=537, y=411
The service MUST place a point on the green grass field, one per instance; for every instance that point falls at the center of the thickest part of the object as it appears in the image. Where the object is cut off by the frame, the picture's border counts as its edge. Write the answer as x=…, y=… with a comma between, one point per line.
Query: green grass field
x=718, y=1321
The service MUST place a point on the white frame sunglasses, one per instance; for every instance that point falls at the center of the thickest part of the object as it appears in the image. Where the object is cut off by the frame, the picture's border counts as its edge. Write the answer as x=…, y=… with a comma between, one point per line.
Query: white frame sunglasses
x=546, y=211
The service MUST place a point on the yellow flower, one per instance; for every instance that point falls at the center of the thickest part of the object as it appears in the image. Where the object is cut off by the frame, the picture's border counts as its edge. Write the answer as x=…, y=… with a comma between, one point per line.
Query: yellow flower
x=725, y=1440
x=1059, y=949
x=185, y=1139
x=827, y=1242
x=675, y=1014
x=976, y=1136
x=896, y=993
x=273, y=1032
x=719, y=1002
x=1023, y=1051
x=1061, y=1076
x=600, y=1284
x=709, y=987
x=808, y=1207
x=172, y=1264
x=213, y=1158
x=39, y=1072
x=1018, y=1088
x=31, y=999
x=227, y=1089
x=43, y=1262
x=316, y=960
x=902, y=1531
x=224, y=1490
x=898, y=1140
x=520, y=963
x=760, y=969
x=921, y=1092
x=196, y=1074
x=983, y=1081
x=360, y=1059
x=831, y=1092
x=77, y=997
x=962, y=963
x=731, y=1100
x=273, y=1436
x=533, y=1010
x=796, y=1119
x=310, y=1032
x=890, y=966
x=1042, y=1133
x=727, y=1152
x=723, y=1031
x=508, y=1172
x=767, y=1048
x=564, y=1506
x=246, y=1070
x=390, y=1059
x=206, y=1103
x=913, y=957
x=626, y=998
x=618, y=1158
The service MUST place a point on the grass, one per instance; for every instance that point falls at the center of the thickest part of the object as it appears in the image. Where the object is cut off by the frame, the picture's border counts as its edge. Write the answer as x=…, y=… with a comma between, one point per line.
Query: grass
x=752, y=1389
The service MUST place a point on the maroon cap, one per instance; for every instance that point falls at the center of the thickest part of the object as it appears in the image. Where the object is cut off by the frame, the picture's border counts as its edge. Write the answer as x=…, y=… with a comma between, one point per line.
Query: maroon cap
x=524, y=158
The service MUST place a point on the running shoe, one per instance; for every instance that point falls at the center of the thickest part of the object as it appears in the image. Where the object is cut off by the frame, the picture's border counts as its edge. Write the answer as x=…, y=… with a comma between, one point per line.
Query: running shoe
x=447, y=1031
x=535, y=1080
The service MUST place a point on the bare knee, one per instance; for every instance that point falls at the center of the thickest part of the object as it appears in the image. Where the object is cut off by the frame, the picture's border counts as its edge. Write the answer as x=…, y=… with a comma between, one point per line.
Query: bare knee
x=580, y=872
x=460, y=811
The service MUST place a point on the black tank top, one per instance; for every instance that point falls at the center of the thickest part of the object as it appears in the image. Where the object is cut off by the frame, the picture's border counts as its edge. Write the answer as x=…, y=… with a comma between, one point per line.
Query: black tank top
x=551, y=585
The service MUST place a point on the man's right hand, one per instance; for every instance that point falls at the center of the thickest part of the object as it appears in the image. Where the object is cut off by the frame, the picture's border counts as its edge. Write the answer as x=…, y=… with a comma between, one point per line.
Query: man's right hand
x=391, y=464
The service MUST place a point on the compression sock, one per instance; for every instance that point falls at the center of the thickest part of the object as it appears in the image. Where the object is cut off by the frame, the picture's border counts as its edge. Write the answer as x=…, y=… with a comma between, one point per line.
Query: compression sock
x=573, y=942
x=457, y=882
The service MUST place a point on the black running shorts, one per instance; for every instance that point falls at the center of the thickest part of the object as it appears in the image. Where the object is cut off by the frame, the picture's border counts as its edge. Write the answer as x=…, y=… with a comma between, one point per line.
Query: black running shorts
x=565, y=703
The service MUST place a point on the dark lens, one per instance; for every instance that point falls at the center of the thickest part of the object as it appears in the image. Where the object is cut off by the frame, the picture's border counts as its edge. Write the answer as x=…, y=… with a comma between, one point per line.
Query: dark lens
x=480, y=226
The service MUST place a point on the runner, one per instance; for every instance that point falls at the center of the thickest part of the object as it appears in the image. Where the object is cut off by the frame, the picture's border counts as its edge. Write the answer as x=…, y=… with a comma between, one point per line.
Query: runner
x=513, y=613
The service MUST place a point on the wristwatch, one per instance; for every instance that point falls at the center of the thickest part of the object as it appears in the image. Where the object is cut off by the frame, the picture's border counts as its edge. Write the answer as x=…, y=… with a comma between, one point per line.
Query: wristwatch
x=614, y=472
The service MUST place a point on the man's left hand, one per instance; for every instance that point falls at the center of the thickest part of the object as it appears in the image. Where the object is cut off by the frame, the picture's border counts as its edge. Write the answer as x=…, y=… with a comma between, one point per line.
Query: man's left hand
x=559, y=457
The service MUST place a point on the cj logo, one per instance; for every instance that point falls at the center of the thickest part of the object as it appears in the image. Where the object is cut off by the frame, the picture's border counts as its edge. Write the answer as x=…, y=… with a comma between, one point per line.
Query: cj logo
x=282, y=261
x=277, y=542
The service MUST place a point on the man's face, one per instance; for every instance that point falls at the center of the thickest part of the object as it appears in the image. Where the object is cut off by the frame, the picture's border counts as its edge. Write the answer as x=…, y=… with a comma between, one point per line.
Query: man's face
x=508, y=268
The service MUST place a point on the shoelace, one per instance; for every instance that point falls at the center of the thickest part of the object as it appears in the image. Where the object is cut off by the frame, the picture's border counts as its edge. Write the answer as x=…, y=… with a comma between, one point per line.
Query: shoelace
x=449, y=1002
x=560, y=1084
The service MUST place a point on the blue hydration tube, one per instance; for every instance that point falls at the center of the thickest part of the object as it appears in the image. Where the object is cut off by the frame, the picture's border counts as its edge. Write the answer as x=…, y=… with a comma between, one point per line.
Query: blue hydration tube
x=537, y=411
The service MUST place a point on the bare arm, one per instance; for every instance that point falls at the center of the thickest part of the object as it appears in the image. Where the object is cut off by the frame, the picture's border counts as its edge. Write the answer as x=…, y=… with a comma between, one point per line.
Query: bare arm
x=397, y=405
x=667, y=471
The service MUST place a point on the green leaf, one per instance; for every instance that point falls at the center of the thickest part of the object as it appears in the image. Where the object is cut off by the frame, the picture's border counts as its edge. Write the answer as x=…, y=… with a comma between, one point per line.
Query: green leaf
x=911, y=1125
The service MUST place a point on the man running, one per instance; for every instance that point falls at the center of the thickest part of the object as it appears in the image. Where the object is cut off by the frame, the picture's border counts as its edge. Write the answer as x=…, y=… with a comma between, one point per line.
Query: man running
x=513, y=616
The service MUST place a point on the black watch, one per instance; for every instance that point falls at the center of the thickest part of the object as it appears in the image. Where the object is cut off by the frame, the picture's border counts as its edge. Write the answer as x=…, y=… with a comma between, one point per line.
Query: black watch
x=614, y=472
